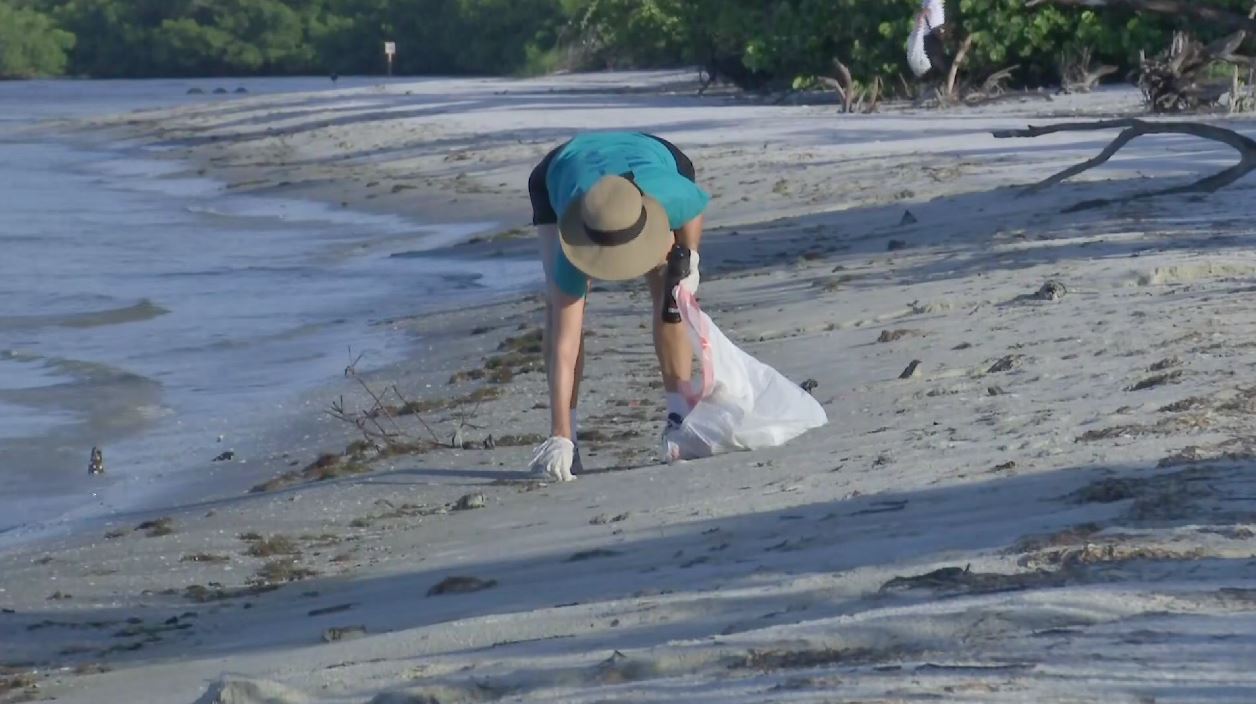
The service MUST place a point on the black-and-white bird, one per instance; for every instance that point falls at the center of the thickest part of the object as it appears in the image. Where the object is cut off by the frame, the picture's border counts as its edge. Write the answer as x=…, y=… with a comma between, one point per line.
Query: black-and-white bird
x=925, y=52
x=96, y=464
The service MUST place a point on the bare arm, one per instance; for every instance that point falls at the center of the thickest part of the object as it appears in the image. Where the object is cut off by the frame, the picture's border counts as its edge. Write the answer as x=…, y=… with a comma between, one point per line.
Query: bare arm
x=690, y=234
x=565, y=323
x=564, y=319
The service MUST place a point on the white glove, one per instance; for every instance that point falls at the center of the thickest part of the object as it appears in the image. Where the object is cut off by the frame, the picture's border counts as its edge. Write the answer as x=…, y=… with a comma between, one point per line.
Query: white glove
x=552, y=460
x=691, y=281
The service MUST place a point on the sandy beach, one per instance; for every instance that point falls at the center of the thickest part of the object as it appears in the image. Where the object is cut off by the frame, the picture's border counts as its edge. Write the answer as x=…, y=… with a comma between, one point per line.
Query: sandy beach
x=1057, y=506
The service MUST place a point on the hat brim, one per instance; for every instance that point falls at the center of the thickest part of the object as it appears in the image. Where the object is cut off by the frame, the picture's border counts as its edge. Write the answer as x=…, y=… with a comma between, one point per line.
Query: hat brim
x=621, y=262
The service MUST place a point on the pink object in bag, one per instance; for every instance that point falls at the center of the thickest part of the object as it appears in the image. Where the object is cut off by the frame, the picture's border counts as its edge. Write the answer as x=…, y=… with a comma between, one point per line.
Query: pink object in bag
x=740, y=403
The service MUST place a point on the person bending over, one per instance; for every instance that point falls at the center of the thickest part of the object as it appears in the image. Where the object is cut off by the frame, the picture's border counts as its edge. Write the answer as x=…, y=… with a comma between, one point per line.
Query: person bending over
x=611, y=206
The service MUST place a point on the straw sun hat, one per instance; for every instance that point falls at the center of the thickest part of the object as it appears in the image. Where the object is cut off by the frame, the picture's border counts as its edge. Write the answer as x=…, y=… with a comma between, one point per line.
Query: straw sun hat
x=614, y=231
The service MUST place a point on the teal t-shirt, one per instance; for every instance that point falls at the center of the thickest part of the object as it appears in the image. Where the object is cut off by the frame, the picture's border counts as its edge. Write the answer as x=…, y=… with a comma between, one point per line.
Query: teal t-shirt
x=591, y=156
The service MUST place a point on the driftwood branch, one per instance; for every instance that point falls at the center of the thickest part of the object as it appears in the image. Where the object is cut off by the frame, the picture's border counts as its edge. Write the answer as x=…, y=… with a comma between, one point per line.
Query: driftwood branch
x=852, y=96
x=874, y=99
x=1180, y=79
x=994, y=85
x=1133, y=128
x=1077, y=75
x=1191, y=8
x=960, y=57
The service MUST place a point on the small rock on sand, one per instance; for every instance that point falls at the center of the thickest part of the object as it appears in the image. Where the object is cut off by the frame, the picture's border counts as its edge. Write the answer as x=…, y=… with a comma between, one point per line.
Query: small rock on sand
x=602, y=519
x=470, y=502
x=594, y=554
x=894, y=335
x=1005, y=364
x=245, y=691
x=332, y=635
x=461, y=585
x=912, y=371
x=810, y=385
x=1052, y=290
x=1152, y=382
x=1164, y=364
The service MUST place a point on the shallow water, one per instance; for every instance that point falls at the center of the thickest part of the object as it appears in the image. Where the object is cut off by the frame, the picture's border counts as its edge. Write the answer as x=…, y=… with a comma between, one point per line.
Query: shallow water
x=150, y=312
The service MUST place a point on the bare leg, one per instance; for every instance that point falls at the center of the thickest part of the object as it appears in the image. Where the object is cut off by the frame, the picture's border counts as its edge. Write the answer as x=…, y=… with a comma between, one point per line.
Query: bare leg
x=575, y=388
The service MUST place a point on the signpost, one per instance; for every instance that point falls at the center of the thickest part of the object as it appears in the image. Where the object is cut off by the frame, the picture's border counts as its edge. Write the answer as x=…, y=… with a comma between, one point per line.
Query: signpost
x=390, y=50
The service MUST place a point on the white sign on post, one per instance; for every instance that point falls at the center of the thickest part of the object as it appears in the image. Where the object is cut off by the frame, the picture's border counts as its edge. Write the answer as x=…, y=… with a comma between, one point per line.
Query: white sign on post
x=390, y=49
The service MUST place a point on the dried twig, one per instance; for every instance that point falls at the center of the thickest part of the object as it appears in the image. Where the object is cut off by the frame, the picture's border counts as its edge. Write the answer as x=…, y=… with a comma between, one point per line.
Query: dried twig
x=338, y=411
x=1077, y=74
x=352, y=369
x=994, y=86
x=903, y=82
x=380, y=409
x=874, y=101
x=1134, y=128
x=417, y=416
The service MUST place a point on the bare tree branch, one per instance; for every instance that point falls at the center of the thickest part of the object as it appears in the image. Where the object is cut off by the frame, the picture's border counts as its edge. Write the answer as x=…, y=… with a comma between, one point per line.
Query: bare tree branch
x=1133, y=128
x=994, y=85
x=960, y=56
x=1181, y=80
x=874, y=100
x=419, y=417
x=1077, y=75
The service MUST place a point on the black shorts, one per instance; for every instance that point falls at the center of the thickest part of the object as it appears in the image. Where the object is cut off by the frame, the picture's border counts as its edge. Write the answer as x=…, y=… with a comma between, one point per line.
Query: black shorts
x=543, y=211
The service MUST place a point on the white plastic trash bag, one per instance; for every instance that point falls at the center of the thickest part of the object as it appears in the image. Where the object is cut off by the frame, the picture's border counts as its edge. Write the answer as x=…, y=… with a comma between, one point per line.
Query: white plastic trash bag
x=917, y=59
x=740, y=403
x=931, y=16
x=935, y=12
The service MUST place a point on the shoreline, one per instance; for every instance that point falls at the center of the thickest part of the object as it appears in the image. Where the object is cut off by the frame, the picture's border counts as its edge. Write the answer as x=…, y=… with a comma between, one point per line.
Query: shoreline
x=267, y=451
x=1060, y=476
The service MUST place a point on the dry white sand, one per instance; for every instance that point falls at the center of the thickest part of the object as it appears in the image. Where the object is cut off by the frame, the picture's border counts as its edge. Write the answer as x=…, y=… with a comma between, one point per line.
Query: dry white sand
x=1060, y=506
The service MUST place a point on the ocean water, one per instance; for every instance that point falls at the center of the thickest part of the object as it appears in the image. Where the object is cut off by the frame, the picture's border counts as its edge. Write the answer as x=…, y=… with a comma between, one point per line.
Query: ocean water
x=150, y=312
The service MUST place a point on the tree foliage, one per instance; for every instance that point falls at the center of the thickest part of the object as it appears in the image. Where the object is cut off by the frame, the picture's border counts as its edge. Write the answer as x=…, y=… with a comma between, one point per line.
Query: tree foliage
x=753, y=42
x=31, y=44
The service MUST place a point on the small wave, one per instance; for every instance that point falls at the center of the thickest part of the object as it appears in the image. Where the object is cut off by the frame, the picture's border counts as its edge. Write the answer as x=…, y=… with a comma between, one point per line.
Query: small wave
x=144, y=310
x=78, y=371
x=230, y=271
x=97, y=398
x=301, y=210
